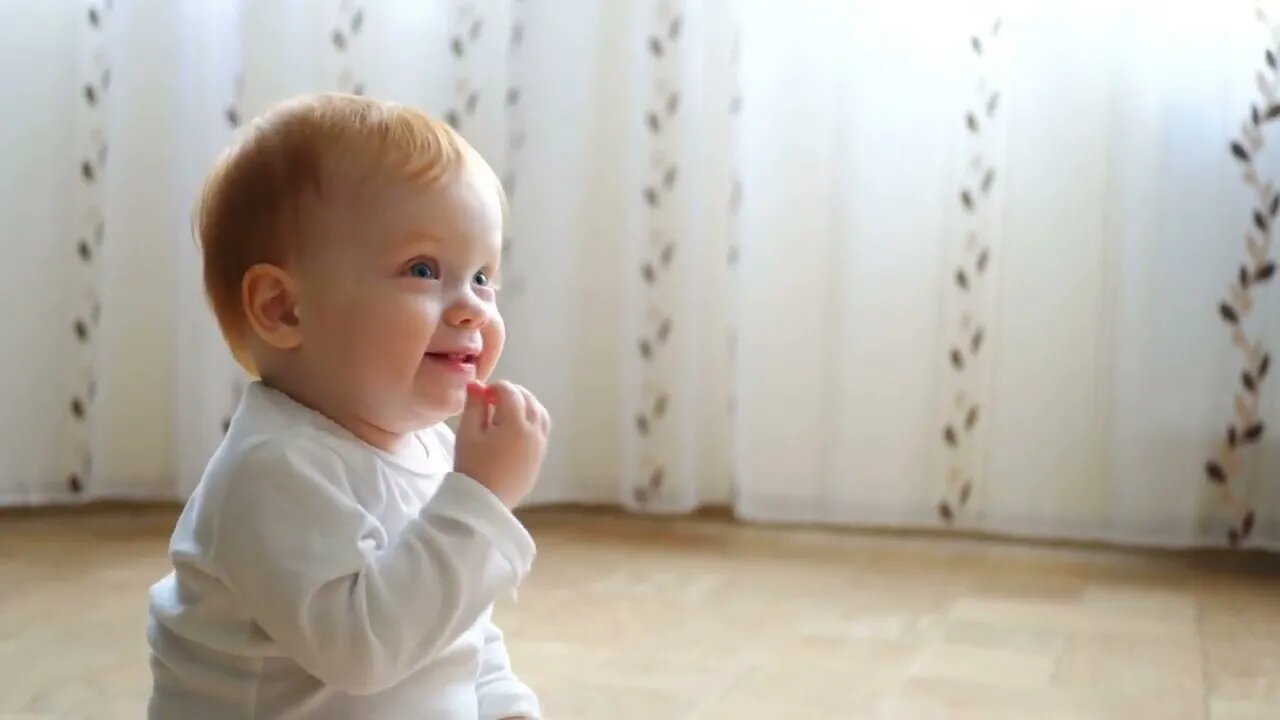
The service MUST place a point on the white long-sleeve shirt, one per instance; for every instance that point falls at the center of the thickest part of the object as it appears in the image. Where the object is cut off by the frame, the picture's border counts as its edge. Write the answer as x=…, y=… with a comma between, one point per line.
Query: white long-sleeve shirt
x=318, y=577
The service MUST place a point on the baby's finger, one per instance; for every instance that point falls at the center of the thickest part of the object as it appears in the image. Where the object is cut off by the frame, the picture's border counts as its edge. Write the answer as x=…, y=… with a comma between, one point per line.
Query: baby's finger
x=542, y=418
x=475, y=414
x=532, y=408
x=508, y=403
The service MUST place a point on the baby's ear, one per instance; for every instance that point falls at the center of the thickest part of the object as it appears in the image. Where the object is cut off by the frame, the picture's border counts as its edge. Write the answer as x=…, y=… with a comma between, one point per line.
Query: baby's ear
x=270, y=299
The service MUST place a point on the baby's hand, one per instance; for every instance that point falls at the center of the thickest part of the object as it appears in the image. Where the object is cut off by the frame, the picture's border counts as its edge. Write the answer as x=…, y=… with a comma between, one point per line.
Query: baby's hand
x=503, y=453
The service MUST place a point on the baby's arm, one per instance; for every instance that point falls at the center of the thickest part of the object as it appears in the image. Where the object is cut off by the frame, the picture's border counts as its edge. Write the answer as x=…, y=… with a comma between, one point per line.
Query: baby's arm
x=300, y=556
x=501, y=695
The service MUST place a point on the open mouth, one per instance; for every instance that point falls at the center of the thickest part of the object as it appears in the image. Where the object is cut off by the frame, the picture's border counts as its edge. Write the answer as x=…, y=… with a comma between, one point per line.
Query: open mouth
x=455, y=360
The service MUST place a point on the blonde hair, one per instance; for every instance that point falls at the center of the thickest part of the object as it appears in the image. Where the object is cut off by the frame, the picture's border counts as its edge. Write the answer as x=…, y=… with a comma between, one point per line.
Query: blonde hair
x=250, y=206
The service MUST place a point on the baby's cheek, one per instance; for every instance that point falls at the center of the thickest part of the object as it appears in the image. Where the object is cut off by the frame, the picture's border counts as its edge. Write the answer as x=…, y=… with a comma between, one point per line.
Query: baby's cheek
x=494, y=336
x=392, y=333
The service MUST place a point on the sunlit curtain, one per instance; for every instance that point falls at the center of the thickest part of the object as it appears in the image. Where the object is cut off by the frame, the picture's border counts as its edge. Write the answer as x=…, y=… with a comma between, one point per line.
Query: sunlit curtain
x=993, y=266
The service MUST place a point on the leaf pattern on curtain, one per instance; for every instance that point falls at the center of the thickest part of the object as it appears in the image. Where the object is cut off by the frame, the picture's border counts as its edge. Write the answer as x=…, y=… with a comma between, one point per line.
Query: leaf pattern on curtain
x=733, y=249
x=662, y=177
x=85, y=288
x=1246, y=428
x=969, y=285
x=346, y=35
x=468, y=27
x=512, y=282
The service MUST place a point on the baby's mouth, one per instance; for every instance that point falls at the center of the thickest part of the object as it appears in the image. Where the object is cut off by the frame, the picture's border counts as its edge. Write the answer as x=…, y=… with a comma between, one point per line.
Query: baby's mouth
x=457, y=360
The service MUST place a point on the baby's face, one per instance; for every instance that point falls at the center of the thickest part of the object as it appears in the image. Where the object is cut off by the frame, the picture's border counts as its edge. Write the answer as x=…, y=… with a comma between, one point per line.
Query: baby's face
x=397, y=301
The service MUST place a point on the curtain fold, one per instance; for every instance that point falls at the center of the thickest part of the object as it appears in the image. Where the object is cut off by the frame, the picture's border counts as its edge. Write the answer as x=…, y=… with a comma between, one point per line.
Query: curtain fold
x=990, y=266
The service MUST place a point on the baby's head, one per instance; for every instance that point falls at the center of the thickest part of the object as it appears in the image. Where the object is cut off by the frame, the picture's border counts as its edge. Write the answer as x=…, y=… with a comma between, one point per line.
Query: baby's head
x=351, y=253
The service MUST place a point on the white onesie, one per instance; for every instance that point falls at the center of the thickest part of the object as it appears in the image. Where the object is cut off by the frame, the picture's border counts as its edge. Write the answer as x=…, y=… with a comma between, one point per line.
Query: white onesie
x=318, y=577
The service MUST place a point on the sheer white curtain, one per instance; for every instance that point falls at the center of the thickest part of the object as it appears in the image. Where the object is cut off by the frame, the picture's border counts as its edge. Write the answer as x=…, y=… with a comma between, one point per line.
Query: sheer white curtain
x=939, y=265
x=1003, y=235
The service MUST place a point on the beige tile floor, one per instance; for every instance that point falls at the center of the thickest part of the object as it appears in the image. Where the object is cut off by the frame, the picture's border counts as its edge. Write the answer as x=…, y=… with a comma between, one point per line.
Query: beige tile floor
x=704, y=619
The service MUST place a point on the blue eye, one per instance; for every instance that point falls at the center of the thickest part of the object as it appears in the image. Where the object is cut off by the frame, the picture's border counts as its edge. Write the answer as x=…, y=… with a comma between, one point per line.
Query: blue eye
x=422, y=271
x=481, y=279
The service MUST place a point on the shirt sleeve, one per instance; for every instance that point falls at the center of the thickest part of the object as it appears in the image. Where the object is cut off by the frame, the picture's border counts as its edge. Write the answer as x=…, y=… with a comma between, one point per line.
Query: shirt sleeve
x=500, y=694
x=305, y=561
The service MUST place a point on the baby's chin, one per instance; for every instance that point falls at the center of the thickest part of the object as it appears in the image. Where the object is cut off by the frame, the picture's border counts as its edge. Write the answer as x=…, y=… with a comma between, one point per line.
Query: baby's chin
x=438, y=406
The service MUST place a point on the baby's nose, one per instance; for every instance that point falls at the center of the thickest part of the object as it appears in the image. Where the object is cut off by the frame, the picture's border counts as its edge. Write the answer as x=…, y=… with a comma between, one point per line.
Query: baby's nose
x=465, y=312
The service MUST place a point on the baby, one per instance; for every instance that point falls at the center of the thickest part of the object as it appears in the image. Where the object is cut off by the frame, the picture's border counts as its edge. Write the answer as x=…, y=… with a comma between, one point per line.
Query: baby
x=340, y=558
